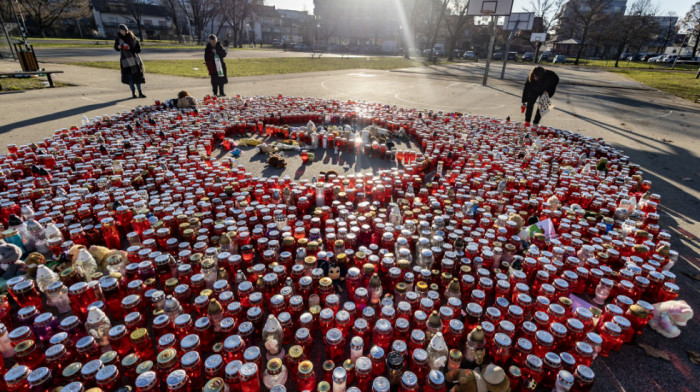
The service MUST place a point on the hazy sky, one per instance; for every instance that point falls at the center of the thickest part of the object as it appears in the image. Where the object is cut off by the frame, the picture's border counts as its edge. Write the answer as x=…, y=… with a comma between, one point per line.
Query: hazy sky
x=679, y=6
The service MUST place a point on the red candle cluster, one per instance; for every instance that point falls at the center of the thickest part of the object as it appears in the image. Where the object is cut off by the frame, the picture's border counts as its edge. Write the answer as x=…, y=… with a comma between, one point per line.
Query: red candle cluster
x=489, y=229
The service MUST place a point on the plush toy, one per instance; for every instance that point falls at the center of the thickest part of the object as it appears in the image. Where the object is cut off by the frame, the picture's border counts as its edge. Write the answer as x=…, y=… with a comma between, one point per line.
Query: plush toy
x=10, y=264
x=670, y=315
x=334, y=273
x=34, y=260
x=662, y=324
x=276, y=161
x=492, y=379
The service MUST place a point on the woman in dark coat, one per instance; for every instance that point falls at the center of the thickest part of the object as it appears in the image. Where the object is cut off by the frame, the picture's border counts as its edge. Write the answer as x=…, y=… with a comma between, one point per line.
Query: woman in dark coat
x=129, y=48
x=214, y=55
x=540, y=81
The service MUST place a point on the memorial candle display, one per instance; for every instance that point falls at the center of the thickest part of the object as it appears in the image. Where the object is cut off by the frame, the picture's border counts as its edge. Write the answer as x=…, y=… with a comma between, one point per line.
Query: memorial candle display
x=477, y=242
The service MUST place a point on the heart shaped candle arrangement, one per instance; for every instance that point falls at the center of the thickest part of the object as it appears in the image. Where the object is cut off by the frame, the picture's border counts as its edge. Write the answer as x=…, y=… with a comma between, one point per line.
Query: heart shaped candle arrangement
x=149, y=262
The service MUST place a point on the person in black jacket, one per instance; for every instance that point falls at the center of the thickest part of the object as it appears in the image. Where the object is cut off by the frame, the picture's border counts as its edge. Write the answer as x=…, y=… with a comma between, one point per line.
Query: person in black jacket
x=540, y=81
x=130, y=62
x=214, y=58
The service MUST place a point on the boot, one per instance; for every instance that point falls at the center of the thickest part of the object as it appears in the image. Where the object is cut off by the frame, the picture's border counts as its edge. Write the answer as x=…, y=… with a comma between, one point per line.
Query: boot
x=141, y=95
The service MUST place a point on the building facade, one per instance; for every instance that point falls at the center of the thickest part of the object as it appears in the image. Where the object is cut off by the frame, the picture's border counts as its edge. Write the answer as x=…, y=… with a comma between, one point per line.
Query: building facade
x=109, y=14
x=296, y=26
x=357, y=23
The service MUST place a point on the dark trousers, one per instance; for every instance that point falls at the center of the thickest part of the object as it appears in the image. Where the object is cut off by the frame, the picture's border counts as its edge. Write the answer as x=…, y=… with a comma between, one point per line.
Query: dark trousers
x=528, y=111
x=217, y=85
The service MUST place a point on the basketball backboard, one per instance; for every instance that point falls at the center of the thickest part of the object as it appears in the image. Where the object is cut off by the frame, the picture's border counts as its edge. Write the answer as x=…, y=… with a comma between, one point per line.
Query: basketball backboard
x=489, y=7
x=538, y=37
x=519, y=21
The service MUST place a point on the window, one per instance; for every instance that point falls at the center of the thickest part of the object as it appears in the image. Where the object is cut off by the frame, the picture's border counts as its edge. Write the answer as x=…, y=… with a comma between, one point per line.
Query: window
x=162, y=23
x=148, y=22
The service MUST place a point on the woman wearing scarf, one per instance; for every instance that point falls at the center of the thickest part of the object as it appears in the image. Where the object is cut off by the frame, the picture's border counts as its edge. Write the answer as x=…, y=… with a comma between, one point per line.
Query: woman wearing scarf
x=129, y=48
x=214, y=58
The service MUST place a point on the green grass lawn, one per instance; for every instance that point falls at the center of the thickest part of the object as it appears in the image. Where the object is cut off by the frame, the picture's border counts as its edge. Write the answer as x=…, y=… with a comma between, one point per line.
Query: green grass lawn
x=264, y=66
x=19, y=84
x=622, y=64
x=679, y=83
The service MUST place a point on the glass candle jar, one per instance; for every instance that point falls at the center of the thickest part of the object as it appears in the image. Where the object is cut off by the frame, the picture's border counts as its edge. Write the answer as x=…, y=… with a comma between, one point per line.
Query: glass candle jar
x=177, y=381
x=16, y=379
x=584, y=377
x=147, y=382
x=108, y=378
x=249, y=378
x=141, y=342
x=610, y=332
x=306, y=378
x=334, y=344
x=27, y=353
x=501, y=349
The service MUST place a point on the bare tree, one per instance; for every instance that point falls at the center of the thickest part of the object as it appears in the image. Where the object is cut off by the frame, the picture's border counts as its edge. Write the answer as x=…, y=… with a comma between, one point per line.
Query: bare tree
x=426, y=18
x=135, y=8
x=582, y=16
x=456, y=23
x=438, y=22
x=691, y=21
x=669, y=31
x=46, y=14
x=634, y=29
x=199, y=13
x=172, y=7
x=548, y=10
x=234, y=13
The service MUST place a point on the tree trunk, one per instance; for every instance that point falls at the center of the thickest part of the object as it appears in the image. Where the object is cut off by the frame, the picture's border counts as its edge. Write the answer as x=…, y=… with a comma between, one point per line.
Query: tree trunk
x=176, y=25
x=453, y=37
x=580, y=47
x=43, y=31
x=618, y=53
x=437, y=27
x=695, y=47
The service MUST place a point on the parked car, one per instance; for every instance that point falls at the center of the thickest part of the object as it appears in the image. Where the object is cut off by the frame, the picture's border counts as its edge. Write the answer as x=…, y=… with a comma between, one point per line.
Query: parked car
x=559, y=59
x=624, y=56
x=669, y=58
x=528, y=56
x=655, y=59
x=512, y=56
x=498, y=56
x=469, y=55
x=546, y=56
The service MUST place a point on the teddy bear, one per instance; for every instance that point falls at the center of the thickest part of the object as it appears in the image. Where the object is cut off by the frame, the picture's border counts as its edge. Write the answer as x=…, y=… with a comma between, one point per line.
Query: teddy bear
x=10, y=263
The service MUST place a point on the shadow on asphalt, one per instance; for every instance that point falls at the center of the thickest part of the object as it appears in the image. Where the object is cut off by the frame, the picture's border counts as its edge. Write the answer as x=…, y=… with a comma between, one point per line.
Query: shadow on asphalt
x=58, y=115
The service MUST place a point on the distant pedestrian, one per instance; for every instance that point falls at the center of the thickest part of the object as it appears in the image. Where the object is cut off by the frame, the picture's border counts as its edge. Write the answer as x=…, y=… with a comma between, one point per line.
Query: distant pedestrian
x=130, y=62
x=214, y=58
x=539, y=82
x=226, y=44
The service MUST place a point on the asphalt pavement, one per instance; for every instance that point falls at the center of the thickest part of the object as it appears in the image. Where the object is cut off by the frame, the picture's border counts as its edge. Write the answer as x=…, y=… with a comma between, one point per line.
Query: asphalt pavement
x=106, y=53
x=654, y=129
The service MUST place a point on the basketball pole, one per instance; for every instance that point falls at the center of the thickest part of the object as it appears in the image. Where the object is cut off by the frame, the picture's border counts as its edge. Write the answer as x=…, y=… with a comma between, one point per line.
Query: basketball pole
x=505, y=55
x=492, y=42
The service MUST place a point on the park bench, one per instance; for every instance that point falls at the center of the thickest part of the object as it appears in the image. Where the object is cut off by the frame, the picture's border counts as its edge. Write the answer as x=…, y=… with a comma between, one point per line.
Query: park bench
x=31, y=73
